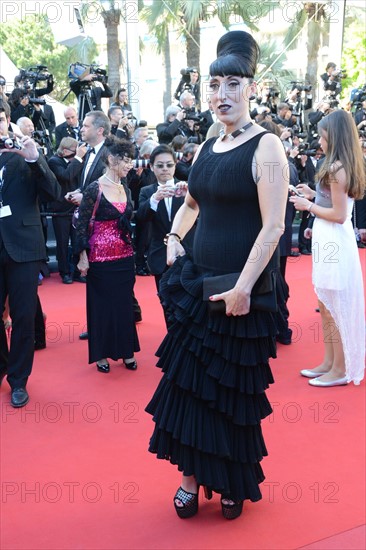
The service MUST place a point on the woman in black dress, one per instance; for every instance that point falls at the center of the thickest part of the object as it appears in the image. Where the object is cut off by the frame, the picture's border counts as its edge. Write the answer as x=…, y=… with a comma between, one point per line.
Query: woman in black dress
x=209, y=404
x=106, y=258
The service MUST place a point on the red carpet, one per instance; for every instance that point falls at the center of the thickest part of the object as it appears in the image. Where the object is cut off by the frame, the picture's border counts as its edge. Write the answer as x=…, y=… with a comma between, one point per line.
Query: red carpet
x=75, y=472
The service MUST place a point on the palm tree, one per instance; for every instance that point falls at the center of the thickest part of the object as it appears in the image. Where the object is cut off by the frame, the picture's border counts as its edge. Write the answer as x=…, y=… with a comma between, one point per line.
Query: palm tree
x=313, y=15
x=185, y=16
x=112, y=15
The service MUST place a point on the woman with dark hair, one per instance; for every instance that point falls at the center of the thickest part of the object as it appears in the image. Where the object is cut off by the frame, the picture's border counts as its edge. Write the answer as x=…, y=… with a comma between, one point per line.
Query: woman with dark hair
x=210, y=402
x=106, y=259
x=337, y=274
x=121, y=100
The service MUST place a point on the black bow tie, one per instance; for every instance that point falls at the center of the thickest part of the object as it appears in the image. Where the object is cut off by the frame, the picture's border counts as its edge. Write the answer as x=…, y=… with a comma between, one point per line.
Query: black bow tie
x=91, y=150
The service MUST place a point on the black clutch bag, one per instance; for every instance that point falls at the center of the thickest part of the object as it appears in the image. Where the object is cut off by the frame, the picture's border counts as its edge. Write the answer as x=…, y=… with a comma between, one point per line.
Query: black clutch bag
x=263, y=296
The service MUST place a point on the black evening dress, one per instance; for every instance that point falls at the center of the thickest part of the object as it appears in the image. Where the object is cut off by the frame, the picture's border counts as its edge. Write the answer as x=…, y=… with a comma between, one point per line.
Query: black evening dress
x=211, y=399
x=111, y=276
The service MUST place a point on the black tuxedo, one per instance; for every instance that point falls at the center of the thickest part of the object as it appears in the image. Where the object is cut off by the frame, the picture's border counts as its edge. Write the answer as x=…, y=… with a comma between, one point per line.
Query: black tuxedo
x=64, y=130
x=160, y=226
x=96, y=170
x=22, y=248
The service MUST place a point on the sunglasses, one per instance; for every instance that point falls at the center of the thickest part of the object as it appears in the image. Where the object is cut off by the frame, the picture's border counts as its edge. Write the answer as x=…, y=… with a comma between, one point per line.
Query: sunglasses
x=161, y=165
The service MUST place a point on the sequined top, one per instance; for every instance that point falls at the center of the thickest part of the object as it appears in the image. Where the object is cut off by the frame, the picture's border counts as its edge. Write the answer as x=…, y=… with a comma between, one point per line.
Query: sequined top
x=111, y=238
x=105, y=243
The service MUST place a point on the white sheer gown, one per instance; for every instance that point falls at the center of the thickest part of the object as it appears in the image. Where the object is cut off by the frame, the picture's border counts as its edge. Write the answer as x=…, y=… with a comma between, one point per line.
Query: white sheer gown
x=338, y=282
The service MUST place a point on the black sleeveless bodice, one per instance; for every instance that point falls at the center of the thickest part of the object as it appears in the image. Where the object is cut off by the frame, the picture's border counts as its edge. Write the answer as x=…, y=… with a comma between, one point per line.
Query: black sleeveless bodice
x=229, y=219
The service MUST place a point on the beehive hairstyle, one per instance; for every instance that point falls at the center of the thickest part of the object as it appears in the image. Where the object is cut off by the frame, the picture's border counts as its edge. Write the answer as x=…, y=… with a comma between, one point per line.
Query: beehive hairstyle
x=237, y=55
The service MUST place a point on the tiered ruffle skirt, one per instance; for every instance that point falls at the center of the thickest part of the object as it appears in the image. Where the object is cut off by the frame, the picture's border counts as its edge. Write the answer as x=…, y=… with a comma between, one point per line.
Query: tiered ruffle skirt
x=211, y=399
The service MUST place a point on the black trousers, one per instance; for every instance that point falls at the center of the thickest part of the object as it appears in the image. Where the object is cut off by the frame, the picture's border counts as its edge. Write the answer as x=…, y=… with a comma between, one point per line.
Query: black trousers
x=18, y=281
x=64, y=233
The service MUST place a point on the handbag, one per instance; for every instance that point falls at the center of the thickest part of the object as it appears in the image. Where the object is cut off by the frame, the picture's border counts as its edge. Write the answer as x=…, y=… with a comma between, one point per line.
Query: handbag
x=92, y=219
x=75, y=215
x=263, y=296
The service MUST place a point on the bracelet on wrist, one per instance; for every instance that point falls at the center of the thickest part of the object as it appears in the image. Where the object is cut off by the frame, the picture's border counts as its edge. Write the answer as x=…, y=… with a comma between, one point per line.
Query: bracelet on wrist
x=166, y=238
x=310, y=206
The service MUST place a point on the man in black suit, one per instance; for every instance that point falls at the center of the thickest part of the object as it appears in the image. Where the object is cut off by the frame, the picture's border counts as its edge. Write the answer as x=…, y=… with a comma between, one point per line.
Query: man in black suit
x=69, y=128
x=96, y=127
x=24, y=175
x=158, y=204
x=67, y=166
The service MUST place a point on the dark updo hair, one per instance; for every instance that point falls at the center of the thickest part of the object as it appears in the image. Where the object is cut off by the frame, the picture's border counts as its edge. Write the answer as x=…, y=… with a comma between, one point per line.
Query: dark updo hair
x=237, y=55
x=117, y=148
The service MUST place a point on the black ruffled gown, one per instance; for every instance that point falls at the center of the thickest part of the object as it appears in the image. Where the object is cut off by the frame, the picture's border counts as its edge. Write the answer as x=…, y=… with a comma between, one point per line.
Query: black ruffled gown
x=210, y=401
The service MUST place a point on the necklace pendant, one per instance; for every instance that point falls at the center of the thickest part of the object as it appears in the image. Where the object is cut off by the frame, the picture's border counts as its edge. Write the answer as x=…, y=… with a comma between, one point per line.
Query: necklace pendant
x=230, y=137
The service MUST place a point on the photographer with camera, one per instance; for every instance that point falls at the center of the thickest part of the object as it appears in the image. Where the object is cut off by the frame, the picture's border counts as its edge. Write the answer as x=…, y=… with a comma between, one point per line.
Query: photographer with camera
x=82, y=83
x=67, y=169
x=331, y=79
x=284, y=115
x=174, y=125
x=323, y=109
x=122, y=126
x=29, y=79
x=189, y=83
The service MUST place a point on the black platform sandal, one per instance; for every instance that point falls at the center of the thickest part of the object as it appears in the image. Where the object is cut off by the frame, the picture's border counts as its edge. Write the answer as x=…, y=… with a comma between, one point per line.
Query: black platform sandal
x=189, y=501
x=231, y=511
x=131, y=365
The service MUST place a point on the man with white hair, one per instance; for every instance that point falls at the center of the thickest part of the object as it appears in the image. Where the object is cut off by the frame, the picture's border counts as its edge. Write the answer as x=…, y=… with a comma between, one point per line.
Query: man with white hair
x=26, y=126
x=173, y=125
x=69, y=128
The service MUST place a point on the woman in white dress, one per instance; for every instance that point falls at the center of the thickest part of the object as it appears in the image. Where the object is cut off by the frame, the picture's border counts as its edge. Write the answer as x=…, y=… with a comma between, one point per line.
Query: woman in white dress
x=337, y=275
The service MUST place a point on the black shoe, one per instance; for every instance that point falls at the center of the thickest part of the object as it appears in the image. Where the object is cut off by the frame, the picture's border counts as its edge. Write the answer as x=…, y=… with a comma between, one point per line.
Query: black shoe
x=294, y=254
x=3, y=373
x=104, y=367
x=283, y=341
x=361, y=244
x=233, y=510
x=84, y=336
x=79, y=279
x=39, y=345
x=19, y=397
x=67, y=280
x=142, y=271
x=131, y=365
x=305, y=252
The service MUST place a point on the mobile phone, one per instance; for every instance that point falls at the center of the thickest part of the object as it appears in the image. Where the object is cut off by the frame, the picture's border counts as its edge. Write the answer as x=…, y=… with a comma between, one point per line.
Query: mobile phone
x=293, y=189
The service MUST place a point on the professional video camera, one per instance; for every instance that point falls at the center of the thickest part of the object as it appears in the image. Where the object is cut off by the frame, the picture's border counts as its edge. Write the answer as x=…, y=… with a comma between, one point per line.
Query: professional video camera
x=358, y=96
x=79, y=71
x=301, y=86
x=191, y=114
x=339, y=74
x=31, y=76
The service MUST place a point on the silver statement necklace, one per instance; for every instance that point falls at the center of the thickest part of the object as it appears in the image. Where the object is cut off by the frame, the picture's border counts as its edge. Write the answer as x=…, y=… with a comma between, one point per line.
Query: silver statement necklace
x=236, y=133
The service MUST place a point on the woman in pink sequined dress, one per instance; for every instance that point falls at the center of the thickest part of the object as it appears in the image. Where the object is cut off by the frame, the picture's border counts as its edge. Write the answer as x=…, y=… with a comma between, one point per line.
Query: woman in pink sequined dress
x=106, y=259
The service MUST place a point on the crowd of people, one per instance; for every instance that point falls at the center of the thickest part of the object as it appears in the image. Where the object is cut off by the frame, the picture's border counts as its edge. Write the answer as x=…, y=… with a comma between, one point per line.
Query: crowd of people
x=191, y=207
